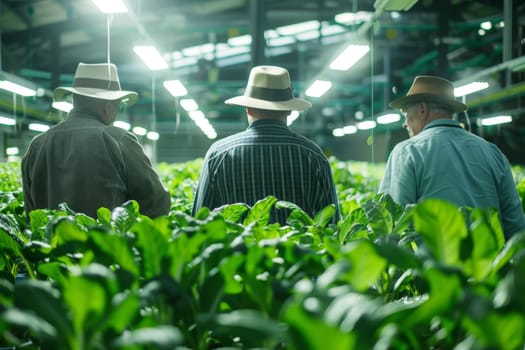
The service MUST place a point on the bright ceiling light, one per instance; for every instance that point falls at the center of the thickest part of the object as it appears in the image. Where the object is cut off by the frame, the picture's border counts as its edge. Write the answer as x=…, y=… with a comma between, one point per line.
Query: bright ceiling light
x=175, y=88
x=121, y=124
x=189, y=104
x=350, y=129
x=139, y=130
x=367, y=124
x=17, y=89
x=297, y=28
x=153, y=135
x=353, y=17
x=500, y=119
x=318, y=88
x=7, y=121
x=487, y=25
x=292, y=117
x=338, y=132
x=12, y=151
x=241, y=40
x=281, y=41
x=62, y=106
x=38, y=127
x=151, y=57
x=349, y=57
x=111, y=6
x=388, y=118
x=470, y=88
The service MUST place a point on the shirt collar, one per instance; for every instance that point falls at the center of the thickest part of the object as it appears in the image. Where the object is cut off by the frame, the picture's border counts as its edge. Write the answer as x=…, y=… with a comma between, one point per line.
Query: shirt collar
x=442, y=122
x=267, y=122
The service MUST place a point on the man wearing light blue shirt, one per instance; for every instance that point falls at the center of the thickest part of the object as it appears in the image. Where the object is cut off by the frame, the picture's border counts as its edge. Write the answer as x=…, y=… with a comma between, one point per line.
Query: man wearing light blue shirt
x=443, y=160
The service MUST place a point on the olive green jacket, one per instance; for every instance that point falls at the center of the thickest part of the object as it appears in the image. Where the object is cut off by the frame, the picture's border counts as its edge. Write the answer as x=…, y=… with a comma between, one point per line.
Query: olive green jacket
x=87, y=165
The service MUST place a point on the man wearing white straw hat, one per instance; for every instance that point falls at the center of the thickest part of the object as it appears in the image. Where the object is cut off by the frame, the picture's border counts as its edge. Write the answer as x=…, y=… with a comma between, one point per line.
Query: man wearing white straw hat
x=86, y=162
x=443, y=160
x=267, y=158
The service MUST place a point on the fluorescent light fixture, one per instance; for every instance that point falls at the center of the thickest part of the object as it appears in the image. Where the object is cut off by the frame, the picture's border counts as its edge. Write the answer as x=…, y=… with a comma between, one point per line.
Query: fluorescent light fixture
x=189, y=104
x=151, y=57
x=38, y=127
x=318, y=88
x=338, y=132
x=297, y=28
x=111, y=6
x=121, y=124
x=481, y=32
x=352, y=18
x=17, y=89
x=313, y=34
x=332, y=29
x=196, y=115
x=153, y=135
x=349, y=57
x=198, y=50
x=139, y=130
x=62, y=106
x=12, y=151
x=367, y=124
x=175, y=88
x=281, y=41
x=7, y=121
x=231, y=51
x=500, y=119
x=349, y=129
x=270, y=34
x=470, y=88
x=388, y=118
x=487, y=25
x=292, y=117
x=241, y=40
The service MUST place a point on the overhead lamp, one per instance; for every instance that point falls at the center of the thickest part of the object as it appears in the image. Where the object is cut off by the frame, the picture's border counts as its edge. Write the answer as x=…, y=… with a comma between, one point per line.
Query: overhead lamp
x=338, y=132
x=349, y=57
x=16, y=88
x=7, y=121
x=470, y=88
x=394, y=5
x=38, y=127
x=388, y=118
x=500, y=119
x=111, y=6
x=62, y=106
x=122, y=125
x=353, y=17
x=151, y=57
x=139, y=130
x=12, y=151
x=367, y=124
x=175, y=88
x=487, y=25
x=281, y=41
x=153, y=135
x=189, y=104
x=241, y=40
x=297, y=28
x=349, y=129
x=318, y=88
x=292, y=117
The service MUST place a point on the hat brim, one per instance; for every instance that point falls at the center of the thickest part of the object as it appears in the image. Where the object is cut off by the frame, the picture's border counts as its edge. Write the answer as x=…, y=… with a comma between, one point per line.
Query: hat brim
x=402, y=101
x=130, y=96
x=295, y=104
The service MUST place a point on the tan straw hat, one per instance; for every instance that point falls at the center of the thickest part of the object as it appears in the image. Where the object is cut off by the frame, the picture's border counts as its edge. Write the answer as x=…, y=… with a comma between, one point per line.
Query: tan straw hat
x=269, y=88
x=426, y=88
x=98, y=80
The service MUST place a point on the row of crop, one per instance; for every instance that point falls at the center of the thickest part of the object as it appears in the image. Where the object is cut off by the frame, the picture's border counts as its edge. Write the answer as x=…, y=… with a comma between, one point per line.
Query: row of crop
x=430, y=276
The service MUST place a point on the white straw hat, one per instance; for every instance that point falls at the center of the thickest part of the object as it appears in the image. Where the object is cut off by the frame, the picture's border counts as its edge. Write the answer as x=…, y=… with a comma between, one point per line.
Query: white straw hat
x=98, y=80
x=269, y=88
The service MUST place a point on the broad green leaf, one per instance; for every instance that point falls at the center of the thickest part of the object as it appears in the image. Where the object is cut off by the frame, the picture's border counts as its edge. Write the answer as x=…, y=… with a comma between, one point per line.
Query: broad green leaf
x=493, y=330
x=104, y=216
x=125, y=216
x=310, y=333
x=160, y=337
x=296, y=212
x=153, y=246
x=124, y=308
x=260, y=212
x=234, y=212
x=65, y=230
x=40, y=328
x=229, y=267
x=325, y=215
x=515, y=244
x=379, y=218
x=442, y=228
x=117, y=247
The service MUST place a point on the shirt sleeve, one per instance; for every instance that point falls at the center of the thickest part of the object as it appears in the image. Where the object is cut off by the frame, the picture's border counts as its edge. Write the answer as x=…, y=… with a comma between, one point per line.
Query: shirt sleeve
x=513, y=219
x=143, y=182
x=399, y=179
x=327, y=193
x=204, y=193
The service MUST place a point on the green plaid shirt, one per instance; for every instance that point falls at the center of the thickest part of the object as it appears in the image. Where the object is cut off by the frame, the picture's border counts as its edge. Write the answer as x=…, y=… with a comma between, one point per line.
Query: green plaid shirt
x=266, y=159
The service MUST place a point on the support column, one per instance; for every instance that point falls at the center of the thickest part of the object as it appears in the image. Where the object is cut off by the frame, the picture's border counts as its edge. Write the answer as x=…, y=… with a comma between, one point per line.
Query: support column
x=258, y=20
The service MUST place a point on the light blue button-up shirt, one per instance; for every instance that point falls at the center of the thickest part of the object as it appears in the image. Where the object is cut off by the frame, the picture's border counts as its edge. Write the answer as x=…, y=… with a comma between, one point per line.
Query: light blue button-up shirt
x=447, y=162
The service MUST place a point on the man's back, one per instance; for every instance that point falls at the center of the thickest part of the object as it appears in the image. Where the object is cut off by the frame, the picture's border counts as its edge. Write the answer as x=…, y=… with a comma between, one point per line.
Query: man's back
x=445, y=161
x=266, y=159
x=89, y=165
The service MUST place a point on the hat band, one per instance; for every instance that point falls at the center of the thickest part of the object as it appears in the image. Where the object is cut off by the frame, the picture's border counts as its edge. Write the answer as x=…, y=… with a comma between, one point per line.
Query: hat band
x=269, y=94
x=96, y=84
